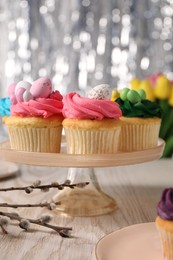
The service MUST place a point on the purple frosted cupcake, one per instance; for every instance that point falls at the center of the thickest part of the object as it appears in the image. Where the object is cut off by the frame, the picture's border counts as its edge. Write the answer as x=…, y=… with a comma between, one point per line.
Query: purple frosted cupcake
x=164, y=222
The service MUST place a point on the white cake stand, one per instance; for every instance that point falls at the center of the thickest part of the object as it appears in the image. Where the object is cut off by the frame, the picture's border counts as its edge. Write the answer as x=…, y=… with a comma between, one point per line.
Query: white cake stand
x=90, y=200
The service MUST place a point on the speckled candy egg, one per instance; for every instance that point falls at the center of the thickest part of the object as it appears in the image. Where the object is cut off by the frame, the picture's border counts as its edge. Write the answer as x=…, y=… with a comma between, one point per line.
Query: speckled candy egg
x=102, y=91
x=41, y=88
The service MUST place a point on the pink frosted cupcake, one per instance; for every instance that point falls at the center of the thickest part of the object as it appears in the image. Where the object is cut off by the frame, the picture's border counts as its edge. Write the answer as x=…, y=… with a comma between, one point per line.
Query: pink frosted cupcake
x=35, y=123
x=91, y=125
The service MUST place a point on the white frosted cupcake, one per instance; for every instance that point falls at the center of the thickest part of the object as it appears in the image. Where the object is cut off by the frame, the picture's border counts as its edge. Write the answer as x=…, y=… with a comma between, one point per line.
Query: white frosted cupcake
x=91, y=125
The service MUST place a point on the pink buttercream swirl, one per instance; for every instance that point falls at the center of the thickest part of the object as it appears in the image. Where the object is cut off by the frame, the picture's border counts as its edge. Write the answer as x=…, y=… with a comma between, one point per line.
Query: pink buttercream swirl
x=79, y=107
x=42, y=107
x=35, y=99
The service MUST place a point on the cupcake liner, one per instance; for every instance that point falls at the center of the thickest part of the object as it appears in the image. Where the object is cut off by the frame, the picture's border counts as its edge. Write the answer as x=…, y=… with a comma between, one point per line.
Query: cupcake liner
x=92, y=141
x=35, y=139
x=166, y=242
x=138, y=137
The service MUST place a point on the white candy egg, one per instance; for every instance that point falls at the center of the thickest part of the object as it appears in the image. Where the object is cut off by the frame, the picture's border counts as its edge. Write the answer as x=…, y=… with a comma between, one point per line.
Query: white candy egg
x=27, y=96
x=23, y=84
x=102, y=91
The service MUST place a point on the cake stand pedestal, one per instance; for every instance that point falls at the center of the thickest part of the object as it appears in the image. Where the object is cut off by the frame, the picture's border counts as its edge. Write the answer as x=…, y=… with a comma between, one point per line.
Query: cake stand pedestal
x=90, y=200
x=87, y=201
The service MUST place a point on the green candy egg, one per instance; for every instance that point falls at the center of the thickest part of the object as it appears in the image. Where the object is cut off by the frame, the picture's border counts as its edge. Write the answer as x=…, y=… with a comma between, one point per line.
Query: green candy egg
x=133, y=96
x=123, y=93
x=141, y=93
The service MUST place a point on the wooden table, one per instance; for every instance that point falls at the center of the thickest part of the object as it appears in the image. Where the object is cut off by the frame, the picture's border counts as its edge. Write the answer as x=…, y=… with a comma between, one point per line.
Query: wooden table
x=136, y=188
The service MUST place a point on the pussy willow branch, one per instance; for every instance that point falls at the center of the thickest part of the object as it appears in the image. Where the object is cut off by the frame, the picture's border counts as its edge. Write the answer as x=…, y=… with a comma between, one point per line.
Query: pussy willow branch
x=61, y=230
x=48, y=186
x=46, y=204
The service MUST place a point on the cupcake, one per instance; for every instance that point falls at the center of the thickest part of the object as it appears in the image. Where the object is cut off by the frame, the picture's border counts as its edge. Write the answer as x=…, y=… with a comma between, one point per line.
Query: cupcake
x=35, y=121
x=5, y=105
x=140, y=123
x=91, y=124
x=164, y=222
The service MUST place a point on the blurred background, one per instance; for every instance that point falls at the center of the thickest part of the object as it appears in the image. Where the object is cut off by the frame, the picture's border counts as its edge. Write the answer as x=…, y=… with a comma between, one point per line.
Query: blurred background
x=80, y=44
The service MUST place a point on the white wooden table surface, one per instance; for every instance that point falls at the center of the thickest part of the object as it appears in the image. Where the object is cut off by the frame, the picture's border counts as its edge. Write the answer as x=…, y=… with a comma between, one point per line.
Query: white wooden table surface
x=136, y=188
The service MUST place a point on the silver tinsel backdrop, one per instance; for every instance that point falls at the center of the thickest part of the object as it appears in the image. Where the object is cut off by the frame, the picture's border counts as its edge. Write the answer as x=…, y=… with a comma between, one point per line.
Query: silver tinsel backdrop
x=79, y=44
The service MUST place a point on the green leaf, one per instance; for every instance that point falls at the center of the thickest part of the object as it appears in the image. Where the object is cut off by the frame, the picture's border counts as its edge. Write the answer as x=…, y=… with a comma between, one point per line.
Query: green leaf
x=168, y=151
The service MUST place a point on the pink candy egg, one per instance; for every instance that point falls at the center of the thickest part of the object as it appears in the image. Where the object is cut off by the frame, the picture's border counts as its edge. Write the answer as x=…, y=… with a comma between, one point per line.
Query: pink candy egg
x=41, y=88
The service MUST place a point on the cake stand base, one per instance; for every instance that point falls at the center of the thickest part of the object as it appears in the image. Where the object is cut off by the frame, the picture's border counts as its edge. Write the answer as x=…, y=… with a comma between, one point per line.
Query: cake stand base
x=83, y=202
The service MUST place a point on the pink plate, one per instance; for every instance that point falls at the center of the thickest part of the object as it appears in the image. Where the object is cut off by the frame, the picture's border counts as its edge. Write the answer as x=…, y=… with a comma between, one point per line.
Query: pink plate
x=137, y=242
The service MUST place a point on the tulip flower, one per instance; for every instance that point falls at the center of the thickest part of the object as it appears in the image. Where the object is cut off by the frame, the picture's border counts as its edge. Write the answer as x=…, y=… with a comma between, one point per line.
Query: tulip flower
x=115, y=95
x=146, y=85
x=135, y=84
x=153, y=78
x=162, y=89
x=163, y=92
